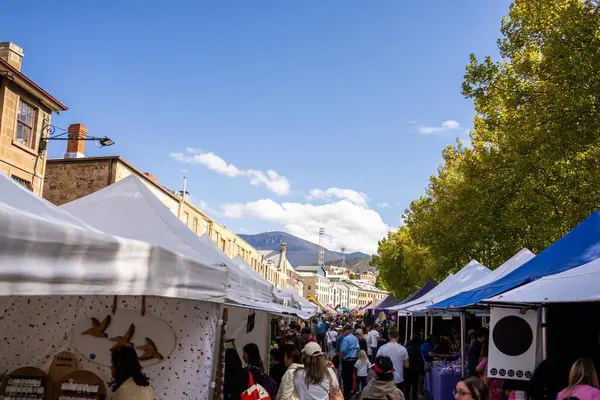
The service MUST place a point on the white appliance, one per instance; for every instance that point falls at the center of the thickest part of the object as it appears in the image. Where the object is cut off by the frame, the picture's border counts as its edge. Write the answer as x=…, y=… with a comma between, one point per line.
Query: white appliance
x=513, y=343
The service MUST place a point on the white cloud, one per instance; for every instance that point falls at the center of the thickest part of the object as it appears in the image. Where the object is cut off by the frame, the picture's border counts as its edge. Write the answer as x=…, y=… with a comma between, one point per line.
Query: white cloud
x=445, y=126
x=384, y=205
x=412, y=121
x=358, y=198
x=270, y=179
x=346, y=224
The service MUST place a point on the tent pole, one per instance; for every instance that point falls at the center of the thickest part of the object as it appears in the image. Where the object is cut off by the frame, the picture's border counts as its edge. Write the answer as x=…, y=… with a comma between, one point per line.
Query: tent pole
x=462, y=343
x=406, y=329
x=431, y=326
x=412, y=326
x=426, y=325
x=544, y=332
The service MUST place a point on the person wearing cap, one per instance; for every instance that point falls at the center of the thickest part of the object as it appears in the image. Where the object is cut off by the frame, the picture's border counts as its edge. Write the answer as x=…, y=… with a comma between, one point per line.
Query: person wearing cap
x=382, y=387
x=348, y=352
x=316, y=380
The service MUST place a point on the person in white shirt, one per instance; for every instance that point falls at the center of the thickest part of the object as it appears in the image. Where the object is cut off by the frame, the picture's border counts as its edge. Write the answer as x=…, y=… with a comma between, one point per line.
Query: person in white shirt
x=331, y=340
x=373, y=340
x=399, y=356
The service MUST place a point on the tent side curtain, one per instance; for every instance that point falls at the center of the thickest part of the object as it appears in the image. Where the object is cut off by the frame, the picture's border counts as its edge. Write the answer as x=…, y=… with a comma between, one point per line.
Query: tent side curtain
x=508, y=266
x=578, y=247
x=46, y=251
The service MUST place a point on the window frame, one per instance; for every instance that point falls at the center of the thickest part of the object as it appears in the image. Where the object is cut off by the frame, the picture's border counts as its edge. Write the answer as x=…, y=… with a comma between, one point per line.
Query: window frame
x=32, y=145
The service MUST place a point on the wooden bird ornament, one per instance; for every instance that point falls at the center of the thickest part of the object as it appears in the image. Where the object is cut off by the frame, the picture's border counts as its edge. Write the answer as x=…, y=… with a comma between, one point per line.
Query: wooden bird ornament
x=124, y=340
x=98, y=327
x=150, y=351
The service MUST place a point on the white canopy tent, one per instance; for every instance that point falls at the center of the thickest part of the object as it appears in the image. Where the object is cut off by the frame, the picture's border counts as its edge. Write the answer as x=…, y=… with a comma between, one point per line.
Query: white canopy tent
x=44, y=250
x=453, y=284
x=509, y=265
x=469, y=274
x=56, y=273
x=577, y=285
x=289, y=293
x=129, y=208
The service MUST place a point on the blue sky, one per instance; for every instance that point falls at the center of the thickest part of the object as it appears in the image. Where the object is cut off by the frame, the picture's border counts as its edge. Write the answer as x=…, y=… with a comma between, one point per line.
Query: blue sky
x=344, y=100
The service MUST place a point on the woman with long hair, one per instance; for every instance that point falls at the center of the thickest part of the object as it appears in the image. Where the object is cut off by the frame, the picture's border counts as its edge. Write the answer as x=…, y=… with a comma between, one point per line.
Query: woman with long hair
x=471, y=388
x=583, y=382
x=129, y=382
x=315, y=381
x=236, y=381
x=362, y=340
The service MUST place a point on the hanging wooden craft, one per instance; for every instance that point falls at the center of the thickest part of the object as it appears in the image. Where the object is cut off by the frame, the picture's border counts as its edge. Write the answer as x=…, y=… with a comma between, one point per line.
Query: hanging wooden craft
x=124, y=340
x=150, y=351
x=98, y=327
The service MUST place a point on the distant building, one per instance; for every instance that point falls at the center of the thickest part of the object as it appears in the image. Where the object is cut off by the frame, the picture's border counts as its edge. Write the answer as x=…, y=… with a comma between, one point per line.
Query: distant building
x=314, y=269
x=368, y=277
x=25, y=114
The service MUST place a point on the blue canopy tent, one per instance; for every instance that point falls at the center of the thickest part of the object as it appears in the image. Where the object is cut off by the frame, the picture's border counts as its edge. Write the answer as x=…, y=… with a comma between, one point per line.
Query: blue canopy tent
x=576, y=248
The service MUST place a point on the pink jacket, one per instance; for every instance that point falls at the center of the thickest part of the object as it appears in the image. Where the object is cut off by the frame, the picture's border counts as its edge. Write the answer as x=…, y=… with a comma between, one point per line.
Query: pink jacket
x=582, y=392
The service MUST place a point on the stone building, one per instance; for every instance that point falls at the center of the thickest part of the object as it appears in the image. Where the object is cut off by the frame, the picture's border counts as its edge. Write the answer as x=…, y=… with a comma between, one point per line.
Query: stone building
x=76, y=175
x=25, y=114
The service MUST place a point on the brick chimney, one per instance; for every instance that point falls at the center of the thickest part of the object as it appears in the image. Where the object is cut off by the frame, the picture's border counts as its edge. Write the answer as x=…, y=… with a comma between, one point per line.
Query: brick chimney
x=151, y=176
x=283, y=255
x=11, y=53
x=75, y=146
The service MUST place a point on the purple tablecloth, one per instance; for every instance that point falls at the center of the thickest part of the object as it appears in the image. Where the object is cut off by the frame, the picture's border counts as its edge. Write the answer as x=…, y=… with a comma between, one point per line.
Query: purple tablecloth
x=440, y=385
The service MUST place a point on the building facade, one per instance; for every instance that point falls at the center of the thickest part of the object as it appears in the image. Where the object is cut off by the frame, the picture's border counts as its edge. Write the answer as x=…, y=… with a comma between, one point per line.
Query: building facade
x=25, y=114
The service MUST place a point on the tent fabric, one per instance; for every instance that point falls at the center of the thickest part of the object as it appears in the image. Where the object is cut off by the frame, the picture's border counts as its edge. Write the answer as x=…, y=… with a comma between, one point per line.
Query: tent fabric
x=470, y=273
x=511, y=264
x=579, y=246
x=128, y=208
x=289, y=293
x=420, y=292
x=44, y=250
x=388, y=301
x=577, y=285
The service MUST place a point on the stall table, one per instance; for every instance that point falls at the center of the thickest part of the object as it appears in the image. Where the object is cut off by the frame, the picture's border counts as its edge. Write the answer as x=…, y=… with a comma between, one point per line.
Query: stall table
x=440, y=383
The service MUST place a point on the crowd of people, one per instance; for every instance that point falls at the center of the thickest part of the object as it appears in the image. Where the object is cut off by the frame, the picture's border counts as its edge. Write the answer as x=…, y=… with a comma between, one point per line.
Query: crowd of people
x=347, y=359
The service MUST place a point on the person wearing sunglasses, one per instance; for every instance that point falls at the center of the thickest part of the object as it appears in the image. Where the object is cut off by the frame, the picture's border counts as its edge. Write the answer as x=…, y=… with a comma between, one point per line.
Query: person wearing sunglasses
x=471, y=388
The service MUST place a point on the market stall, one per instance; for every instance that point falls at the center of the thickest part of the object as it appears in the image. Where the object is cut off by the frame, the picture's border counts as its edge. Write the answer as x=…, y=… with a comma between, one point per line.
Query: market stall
x=68, y=288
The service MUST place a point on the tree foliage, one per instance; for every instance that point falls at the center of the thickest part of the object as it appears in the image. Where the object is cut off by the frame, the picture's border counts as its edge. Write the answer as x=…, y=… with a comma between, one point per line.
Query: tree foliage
x=531, y=172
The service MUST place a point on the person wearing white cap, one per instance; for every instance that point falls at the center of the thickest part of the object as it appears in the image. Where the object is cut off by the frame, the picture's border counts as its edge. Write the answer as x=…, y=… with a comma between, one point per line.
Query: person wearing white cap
x=316, y=380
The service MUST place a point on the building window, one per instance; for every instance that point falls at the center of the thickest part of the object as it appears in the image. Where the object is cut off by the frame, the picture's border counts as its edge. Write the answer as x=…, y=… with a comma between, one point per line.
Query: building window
x=309, y=287
x=25, y=183
x=25, y=125
x=195, y=225
x=204, y=226
x=185, y=217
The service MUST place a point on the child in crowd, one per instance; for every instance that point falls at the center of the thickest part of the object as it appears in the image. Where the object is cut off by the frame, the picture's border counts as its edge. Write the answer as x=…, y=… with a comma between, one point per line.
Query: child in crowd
x=362, y=370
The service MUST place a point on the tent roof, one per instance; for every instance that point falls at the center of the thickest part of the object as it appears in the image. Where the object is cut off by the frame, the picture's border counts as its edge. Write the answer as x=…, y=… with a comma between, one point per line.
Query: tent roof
x=452, y=284
x=576, y=248
x=420, y=292
x=471, y=273
x=580, y=284
x=509, y=265
x=44, y=250
x=128, y=208
x=388, y=301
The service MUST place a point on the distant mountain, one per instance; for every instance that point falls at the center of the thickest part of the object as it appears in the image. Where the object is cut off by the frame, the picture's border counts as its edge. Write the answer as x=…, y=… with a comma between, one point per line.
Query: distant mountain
x=299, y=251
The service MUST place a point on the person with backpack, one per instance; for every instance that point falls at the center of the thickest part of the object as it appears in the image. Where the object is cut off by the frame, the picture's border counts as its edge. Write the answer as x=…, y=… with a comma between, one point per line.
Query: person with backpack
x=331, y=341
x=256, y=370
x=416, y=367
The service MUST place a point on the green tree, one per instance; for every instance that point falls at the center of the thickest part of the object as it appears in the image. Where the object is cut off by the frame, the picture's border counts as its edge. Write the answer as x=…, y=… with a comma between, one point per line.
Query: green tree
x=532, y=169
x=402, y=264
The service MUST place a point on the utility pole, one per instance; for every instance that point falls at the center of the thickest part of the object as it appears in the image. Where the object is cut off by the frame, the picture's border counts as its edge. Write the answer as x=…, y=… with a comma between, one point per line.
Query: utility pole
x=182, y=197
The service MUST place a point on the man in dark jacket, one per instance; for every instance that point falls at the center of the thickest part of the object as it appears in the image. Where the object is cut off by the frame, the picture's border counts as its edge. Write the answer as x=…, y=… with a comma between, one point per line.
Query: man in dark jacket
x=415, y=369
